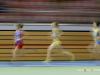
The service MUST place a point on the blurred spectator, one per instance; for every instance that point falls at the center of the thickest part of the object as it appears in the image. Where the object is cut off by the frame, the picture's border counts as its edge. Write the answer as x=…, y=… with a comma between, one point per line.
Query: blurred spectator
x=3, y=7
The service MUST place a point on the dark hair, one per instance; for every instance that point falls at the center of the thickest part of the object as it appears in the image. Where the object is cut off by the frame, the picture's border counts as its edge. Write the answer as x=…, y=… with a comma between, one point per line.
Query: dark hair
x=20, y=26
x=56, y=24
x=97, y=24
